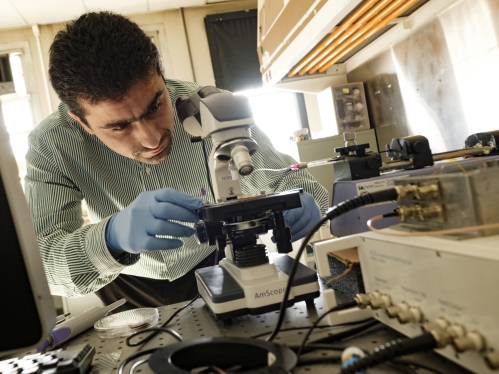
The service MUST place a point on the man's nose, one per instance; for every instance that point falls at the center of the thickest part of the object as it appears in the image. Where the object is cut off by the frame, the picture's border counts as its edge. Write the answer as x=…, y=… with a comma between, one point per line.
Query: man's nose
x=148, y=135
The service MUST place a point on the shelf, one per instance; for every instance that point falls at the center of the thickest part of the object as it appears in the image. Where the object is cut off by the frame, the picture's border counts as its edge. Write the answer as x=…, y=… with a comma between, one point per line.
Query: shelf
x=290, y=42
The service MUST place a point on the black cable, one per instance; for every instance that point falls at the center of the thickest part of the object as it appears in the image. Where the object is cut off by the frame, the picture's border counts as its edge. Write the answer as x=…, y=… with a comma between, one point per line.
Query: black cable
x=291, y=275
x=345, y=334
x=348, y=305
x=319, y=360
x=392, y=214
x=401, y=367
x=392, y=350
x=149, y=337
x=158, y=329
x=134, y=356
x=336, y=211
x=317, y=347
x=360, y=201
x=208, y=174
x=403, y=361
x=137, y=364
x=317, y=327
x=401, y=364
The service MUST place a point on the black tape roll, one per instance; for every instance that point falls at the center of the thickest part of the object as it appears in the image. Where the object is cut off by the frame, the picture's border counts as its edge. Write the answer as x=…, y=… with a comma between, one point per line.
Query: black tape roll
x=250, y=356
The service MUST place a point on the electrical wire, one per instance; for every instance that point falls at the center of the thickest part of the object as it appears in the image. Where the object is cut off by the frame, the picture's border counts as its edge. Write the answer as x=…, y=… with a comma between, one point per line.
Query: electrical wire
x=456, y=163
x=348, y=305
x=274, y=170
x=430, y=233
x=319, y=360
x=418, y=364
x=136, y=364
x=133, y=357
x=158, y=329
x=401, y=367
x=346, y=334
x=443, y=165
x=390, y=350
x=336, y=211
x=318, y=347
x=291, y=275
x=149, y=337
x=317, y=327
x=401, y=364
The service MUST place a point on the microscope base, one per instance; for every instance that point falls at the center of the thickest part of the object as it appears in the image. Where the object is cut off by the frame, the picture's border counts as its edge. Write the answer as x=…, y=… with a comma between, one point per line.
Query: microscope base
x=228, y=297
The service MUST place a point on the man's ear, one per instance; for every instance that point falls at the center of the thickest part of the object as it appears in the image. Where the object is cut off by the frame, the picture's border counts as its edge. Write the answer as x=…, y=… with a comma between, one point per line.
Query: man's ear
x=81, y=122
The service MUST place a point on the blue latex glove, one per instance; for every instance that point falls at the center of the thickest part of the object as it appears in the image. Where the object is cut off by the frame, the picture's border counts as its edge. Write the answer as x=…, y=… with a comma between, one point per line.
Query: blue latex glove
x=301, y=220
x=134, y=229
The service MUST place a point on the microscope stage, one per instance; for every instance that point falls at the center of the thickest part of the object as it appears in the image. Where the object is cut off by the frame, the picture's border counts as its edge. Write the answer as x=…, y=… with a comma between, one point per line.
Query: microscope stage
x=228, y=297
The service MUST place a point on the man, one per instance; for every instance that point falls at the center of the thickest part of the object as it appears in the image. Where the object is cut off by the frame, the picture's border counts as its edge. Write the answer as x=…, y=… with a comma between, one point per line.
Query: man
x=116, y=143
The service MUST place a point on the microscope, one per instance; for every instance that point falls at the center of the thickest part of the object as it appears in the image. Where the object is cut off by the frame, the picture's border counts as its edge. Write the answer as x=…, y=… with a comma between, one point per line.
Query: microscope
x=248, y=280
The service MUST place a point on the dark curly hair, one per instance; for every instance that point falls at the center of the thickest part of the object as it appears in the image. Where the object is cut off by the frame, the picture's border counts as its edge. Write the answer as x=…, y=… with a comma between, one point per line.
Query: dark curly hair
x=99, y=57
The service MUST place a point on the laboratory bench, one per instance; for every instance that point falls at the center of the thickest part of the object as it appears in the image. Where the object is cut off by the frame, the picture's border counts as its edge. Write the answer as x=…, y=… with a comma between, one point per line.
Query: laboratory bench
x=196, y=321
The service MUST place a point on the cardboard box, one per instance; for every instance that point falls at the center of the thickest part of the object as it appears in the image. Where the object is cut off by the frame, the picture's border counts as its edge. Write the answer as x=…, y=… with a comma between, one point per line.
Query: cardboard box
x=267, y=15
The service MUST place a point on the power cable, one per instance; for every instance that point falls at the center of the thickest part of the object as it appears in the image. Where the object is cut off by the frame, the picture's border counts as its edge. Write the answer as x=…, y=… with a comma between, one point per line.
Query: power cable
x=346, y=334
x=334, y=212
x=158, y=330
x=390, y=350
x=350, y=304
x=163, y=326
x=418, y=364
x=319, y=360
x=133, y=357
x=137, y=364
x=317, y=327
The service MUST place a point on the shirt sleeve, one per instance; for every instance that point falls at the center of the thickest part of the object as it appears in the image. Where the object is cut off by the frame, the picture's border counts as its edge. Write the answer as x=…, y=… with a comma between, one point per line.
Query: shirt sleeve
x=75, y=257
x=267, y=157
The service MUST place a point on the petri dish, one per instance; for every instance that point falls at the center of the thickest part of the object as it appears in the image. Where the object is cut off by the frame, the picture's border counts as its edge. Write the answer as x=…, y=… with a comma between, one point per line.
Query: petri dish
x=126, y=323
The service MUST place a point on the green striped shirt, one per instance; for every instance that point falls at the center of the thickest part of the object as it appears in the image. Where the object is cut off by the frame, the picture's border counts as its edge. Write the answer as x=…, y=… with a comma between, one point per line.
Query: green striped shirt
x=66, y=165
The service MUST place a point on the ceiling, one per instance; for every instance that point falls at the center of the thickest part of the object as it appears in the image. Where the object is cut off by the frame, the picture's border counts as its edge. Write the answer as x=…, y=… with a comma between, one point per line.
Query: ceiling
x=21, y=13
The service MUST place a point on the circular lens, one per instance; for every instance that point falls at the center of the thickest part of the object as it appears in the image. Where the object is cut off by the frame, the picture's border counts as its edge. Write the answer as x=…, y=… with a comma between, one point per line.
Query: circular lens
x=242, y=159
x=246, y=170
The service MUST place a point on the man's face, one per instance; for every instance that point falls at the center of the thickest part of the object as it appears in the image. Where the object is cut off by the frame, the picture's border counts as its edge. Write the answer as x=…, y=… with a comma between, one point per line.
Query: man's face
x=140, y=126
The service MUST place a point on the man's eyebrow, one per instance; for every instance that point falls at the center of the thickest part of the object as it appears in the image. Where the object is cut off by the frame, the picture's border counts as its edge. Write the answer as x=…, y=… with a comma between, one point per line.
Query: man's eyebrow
x=122, y=122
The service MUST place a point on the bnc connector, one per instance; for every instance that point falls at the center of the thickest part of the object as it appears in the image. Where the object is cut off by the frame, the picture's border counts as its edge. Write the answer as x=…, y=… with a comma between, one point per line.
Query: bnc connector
x=414, y=314
x=406, y=212
x=433, y=211
x=430, y=191
x=395, y=310
x=363, y=300
x=492, y=360
x=439, y=323
x=456, y=331
x=473, y=341
x=414, y=191
x=383, y=301
x=442, y=338
x=407, y=191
